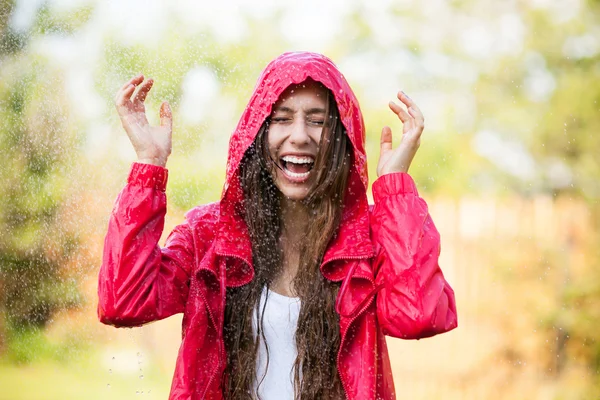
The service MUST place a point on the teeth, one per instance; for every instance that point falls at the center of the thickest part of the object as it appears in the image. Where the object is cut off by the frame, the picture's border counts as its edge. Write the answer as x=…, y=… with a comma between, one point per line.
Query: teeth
x=298, y=160
x=296, y=174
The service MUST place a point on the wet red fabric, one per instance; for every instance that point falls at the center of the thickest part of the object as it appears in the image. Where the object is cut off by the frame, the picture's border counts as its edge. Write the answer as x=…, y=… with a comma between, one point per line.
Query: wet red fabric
x=385, y=255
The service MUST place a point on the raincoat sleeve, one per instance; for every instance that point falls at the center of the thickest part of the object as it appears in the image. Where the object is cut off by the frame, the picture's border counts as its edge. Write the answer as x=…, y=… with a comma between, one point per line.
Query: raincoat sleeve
x=415, y=301
x=139, y=282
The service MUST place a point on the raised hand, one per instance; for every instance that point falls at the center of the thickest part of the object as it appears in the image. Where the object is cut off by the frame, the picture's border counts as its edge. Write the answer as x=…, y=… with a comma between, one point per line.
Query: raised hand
x=152, y=144
x=399, y=159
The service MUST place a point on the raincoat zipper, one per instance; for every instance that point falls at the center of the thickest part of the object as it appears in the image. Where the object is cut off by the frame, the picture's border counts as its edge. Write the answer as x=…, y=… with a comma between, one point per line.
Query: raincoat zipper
x=342, y=342
x=213, y=320
x=356, y=314
x=221, y=344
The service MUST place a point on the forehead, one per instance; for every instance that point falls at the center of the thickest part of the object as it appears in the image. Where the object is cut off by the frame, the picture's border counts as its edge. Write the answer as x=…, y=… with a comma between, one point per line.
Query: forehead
x=306, y=92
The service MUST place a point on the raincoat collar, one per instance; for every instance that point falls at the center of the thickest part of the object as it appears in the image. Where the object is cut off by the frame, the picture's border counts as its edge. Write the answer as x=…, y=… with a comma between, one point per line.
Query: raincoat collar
x=353, y=238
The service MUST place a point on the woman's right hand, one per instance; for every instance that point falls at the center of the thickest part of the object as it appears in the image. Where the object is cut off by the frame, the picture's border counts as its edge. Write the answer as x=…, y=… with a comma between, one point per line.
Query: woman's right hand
x=152, y=144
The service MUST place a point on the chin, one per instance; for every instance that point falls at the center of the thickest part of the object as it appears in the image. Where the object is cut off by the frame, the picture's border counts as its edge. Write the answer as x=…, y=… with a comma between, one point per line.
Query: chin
x=293, y=193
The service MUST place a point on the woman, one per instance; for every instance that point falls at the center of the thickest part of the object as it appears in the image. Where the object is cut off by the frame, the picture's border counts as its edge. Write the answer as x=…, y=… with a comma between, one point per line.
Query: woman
x=289, y=283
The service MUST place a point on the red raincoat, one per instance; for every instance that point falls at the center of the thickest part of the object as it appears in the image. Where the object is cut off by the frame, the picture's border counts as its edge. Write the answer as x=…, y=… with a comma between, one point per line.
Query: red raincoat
x=385, y=256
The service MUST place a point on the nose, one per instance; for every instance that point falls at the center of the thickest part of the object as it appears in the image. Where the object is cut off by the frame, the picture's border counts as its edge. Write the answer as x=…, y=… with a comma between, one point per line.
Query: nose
x=299, y=134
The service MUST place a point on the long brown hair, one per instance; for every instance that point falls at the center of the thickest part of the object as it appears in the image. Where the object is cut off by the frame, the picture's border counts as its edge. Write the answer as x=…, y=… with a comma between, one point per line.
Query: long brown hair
x=317, y=334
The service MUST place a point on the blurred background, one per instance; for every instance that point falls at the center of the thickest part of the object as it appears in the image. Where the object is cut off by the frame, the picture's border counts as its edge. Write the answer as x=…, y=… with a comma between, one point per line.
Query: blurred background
x=508, y=164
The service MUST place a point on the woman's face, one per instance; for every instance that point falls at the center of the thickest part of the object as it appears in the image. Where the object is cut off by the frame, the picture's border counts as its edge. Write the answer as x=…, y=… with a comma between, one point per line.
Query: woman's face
x=294, y=135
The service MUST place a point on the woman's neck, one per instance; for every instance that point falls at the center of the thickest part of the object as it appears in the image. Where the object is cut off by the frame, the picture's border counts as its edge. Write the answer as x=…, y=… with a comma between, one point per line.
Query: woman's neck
x=295, y=217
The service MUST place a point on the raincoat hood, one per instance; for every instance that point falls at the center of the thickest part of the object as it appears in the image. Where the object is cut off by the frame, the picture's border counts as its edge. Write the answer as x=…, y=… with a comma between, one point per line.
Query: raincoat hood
x=279, y=74
x=288, y=69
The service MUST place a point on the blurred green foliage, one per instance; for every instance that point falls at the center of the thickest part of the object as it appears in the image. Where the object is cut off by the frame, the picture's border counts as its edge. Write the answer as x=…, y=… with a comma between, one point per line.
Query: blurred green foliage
x=36, y=139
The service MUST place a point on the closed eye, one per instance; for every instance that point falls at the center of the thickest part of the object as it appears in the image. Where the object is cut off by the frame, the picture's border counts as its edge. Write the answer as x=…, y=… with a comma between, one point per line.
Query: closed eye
x=317, y=122
x=280, y=119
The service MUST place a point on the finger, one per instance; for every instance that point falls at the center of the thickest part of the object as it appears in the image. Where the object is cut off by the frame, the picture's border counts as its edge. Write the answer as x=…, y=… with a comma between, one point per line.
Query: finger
x=417, y=115
x=144, y=89
x=136, y=80
x=124, y=95
x=403, y=97
x=399, y=111
x=166, y=116
x=386, y=139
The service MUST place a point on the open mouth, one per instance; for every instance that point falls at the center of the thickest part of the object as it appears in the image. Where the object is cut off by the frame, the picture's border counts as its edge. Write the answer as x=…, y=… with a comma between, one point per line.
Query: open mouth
x=297, y=167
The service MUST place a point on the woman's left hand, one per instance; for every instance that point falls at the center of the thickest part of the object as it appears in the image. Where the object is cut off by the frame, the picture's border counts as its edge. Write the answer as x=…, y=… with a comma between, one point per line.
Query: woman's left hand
x=399, y=159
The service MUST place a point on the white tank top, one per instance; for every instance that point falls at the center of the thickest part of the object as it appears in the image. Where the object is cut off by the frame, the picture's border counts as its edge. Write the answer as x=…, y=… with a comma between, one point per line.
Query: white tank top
x=280, y=321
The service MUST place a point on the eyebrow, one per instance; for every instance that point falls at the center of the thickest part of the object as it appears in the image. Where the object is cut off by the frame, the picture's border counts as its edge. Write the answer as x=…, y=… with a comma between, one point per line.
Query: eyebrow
x=310, y=111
